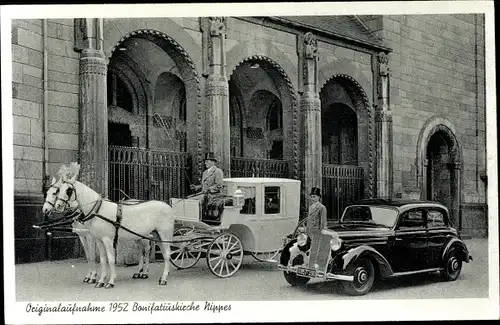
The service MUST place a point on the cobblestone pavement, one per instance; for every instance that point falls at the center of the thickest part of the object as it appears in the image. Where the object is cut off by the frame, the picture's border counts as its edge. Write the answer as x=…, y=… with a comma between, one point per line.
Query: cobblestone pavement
x=61, y=281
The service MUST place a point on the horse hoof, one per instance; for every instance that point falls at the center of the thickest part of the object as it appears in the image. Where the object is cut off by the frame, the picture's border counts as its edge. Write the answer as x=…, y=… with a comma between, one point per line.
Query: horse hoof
x=162, y=282
x=144, y=276
x=87, y=279
x=135, y=276
x=109, y=286
x=99, y=285
x=92, y=281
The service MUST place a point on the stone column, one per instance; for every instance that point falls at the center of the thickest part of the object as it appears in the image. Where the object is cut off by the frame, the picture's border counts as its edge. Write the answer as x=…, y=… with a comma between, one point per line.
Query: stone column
x=217, y=96
x=93, y=111
x=310, y=106
x=383, y=126
x=455, y=194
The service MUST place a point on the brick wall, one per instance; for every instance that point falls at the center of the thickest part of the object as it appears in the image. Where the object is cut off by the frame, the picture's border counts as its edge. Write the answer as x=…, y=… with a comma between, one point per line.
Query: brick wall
x=28, y=96
x=434, y=72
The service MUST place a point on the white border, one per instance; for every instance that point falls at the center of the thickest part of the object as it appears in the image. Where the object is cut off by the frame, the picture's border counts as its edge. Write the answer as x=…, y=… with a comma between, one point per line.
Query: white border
x=293, y=311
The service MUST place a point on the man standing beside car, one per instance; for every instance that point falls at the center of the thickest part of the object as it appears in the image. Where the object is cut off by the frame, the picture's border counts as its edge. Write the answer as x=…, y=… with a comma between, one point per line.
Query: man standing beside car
x=316, y=221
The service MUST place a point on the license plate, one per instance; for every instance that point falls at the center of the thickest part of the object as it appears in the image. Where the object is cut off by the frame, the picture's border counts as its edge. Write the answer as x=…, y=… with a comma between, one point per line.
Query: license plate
x=306, y=272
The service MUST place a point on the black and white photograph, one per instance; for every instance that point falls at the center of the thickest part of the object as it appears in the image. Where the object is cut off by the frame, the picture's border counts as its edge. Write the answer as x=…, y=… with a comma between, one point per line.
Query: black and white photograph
x=276, y=162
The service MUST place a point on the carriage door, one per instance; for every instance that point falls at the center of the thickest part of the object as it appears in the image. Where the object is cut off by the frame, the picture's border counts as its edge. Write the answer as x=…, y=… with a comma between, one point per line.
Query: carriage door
x=271, y=217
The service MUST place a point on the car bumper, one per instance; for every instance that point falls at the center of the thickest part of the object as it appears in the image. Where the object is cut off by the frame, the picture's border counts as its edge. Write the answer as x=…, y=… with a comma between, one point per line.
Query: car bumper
x=318, y=274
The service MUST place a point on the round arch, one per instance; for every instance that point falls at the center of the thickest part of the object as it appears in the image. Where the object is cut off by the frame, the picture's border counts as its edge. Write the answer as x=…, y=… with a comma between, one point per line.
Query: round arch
x=184, y=62
x=434, y=125
x=288, y=98
x=440, y=125
x=346, y=68
x=365, y=116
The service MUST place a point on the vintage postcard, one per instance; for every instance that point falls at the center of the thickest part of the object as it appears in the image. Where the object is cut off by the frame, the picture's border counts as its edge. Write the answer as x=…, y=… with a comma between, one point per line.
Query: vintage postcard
x=270, y=162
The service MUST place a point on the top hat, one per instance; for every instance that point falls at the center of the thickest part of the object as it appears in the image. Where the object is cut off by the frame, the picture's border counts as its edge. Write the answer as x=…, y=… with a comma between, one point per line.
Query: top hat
x=315, y=191
x=210, y=156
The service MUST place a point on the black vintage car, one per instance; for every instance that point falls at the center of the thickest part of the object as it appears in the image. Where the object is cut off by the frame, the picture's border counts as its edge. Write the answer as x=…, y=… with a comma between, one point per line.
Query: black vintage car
x=378, y=238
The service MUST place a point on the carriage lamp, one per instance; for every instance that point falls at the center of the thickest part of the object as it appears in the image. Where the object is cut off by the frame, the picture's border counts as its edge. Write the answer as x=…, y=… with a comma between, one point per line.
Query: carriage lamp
x=302, y=239
x=335, y=243
x=239, y=198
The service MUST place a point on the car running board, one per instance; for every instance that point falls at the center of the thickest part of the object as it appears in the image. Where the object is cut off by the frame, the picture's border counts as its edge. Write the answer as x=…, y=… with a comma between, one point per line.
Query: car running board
x=397, y=274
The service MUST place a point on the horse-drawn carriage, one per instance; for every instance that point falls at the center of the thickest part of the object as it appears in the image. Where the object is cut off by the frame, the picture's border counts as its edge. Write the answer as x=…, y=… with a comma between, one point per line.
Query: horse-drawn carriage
x=260, y=212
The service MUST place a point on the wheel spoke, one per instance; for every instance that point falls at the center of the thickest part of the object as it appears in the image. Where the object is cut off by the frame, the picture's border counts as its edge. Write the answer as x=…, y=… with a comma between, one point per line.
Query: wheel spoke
x=182, y=258
x=234, y=266
x=227, y=268
x=236, y=251
x=236, y=243
x=177, y=257
x=221, y=266
x=216, y=265
x=215, y=258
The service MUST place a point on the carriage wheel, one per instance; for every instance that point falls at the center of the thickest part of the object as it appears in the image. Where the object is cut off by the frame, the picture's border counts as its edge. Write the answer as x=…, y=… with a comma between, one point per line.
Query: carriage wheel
x=225, y=255
x=184, y=255
x=265, y=257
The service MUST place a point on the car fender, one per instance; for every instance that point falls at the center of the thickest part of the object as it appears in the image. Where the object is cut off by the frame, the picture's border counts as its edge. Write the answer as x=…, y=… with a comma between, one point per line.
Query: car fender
x=354, y=254
x=285, y=253
x=459, y=244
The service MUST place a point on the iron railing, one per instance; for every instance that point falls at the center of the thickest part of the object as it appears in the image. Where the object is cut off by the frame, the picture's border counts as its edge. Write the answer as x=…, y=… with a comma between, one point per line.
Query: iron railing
x=147, y=174
x=249, y=167
x=342, y=185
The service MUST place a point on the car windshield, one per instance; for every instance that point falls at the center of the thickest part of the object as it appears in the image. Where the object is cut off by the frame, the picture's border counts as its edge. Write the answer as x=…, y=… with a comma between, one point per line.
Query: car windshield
x=377, y=216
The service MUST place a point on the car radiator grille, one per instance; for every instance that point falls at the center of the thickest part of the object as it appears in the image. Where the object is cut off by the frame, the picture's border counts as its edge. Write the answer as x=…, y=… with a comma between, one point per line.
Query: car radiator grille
x=320, y=251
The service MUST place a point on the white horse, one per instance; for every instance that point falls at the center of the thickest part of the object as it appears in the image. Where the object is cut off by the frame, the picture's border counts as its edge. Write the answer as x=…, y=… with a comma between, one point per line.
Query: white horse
x=86, y=238
x=142, y=218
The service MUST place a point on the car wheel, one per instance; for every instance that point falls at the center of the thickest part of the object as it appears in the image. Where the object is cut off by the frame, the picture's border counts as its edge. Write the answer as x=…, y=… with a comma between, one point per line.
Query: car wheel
x=364, y=277
x=452, y=266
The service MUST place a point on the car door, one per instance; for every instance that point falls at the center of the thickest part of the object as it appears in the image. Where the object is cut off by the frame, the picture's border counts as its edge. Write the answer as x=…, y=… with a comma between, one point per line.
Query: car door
x=438, y=234
x=409, y=245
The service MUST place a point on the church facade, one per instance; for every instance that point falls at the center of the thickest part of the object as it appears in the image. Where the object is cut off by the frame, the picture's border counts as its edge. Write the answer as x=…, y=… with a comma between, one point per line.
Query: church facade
x=359, y=106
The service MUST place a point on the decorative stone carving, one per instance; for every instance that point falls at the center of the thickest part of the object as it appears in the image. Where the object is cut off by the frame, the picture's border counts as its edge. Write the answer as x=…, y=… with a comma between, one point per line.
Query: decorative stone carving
x=311, y=46
x=217, y=26
x=92, y=65
x=217, y=89
x=383, y=62
x=383, y=116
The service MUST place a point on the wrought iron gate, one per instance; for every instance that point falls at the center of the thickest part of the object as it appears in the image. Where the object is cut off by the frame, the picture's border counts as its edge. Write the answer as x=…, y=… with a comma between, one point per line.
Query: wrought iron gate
x=342, y=185
x=146, y=174
x=248, y=167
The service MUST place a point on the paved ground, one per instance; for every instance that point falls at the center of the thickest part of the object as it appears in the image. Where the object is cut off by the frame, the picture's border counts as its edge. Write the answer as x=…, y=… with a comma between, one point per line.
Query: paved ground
x=61, y=281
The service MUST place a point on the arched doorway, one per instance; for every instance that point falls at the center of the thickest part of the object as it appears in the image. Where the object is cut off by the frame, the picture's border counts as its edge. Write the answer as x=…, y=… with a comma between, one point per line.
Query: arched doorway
x=345, y=120
x=442, y=171
x=261, y=109
x=151, y=104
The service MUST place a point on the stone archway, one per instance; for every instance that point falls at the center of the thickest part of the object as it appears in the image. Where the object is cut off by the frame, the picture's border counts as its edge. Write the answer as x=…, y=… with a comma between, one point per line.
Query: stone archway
x=439, y=165
x=258, y=82
x=347, y=143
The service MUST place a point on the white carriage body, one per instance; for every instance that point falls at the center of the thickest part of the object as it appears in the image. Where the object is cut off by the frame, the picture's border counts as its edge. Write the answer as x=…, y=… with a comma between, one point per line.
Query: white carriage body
x=269, y=213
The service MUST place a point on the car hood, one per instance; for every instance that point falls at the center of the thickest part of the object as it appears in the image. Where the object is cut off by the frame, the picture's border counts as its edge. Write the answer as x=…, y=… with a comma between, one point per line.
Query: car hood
x=360, y=232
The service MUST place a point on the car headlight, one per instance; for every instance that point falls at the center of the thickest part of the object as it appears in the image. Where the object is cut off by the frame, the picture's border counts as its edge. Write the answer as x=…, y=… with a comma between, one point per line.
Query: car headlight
x=335, y=243
x=302, y=239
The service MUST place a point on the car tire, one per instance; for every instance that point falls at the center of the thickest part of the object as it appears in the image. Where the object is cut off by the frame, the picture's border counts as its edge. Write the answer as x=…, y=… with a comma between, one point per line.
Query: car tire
x=452, y=266
x=294, y=279
x=364, y=277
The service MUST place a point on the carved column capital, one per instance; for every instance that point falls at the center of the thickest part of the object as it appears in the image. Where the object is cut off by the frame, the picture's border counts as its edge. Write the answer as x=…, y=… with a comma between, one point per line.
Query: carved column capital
x=217, y=26
x=310, y=46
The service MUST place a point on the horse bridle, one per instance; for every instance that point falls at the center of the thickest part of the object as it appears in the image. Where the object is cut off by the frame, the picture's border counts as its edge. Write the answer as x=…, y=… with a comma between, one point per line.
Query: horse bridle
x=77, y=212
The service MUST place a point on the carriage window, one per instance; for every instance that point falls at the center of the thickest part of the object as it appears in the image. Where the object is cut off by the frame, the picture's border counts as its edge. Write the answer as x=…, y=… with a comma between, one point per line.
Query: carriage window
x=435, y=219
x=412, y=219
x=271, y=200
x=249, y=207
